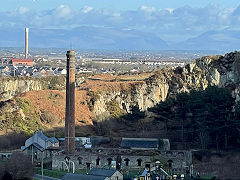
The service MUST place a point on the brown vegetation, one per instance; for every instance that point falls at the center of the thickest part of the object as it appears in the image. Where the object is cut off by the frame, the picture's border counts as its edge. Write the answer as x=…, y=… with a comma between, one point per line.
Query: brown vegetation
x=52, y=103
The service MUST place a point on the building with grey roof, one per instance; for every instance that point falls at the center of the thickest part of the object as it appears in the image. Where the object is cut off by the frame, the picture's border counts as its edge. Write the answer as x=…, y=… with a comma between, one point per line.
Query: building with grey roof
x=69, y=176
x=140, y=143
x=101, y=172
x=40, y=145
x=96, y=174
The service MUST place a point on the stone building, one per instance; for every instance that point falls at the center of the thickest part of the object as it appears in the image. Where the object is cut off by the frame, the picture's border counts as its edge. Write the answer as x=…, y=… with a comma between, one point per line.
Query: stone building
x=124, y=159
x=39, y=145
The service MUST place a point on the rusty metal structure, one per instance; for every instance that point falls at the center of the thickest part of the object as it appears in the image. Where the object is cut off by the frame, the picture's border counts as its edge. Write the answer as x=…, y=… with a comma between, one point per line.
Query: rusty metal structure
x=70, y=104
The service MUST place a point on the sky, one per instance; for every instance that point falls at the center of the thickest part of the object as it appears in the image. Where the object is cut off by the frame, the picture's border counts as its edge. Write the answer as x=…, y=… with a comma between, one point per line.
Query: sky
x=173, y=21
x=113, y=4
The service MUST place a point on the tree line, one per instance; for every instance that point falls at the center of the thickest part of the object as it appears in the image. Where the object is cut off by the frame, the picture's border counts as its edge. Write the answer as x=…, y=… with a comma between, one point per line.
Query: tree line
x=204, y=119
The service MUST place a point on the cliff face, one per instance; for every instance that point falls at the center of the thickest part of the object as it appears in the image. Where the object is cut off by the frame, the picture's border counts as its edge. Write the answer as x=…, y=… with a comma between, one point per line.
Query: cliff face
x=12, y=87
x=106, y=96
x=222, y=71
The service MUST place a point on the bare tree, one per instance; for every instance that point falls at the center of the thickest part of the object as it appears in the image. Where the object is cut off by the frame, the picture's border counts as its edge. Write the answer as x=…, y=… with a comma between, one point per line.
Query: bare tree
x=19, y=166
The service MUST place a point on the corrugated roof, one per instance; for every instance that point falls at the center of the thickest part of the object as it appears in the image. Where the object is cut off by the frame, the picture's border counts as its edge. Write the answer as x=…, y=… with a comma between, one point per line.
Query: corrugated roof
x=82, y=177
x=139, y=143
x=101, y=172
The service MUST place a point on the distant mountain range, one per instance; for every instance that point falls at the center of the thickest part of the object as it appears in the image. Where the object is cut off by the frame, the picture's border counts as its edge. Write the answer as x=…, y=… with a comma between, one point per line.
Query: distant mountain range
x=110, y=38
x=225, y=40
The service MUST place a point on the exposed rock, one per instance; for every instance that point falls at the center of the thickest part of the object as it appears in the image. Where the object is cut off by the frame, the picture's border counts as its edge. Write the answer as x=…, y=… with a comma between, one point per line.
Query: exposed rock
x=222, y=71
x=12, y=87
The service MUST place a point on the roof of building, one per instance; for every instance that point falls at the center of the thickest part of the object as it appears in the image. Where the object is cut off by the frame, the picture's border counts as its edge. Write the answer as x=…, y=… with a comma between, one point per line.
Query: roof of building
x=139, y=143
x=41, y=135
x=69, y=176
x=76, y=138
x=22, y=60
x=101, y=172
x=36, y=145
x=45, y=138
x=53, y=140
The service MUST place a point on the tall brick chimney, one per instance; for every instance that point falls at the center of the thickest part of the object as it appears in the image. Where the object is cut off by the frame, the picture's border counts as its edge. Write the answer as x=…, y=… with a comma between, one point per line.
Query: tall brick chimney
x=70, y=104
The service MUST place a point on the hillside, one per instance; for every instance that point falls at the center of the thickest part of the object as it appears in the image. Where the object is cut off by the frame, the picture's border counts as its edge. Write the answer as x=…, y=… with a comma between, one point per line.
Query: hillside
x=40, y=103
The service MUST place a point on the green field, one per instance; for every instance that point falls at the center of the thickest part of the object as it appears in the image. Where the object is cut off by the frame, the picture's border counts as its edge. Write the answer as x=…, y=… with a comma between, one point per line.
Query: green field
x=51, y=173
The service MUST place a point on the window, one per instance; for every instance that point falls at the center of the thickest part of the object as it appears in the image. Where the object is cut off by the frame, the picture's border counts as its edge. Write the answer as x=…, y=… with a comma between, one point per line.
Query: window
x=88, y=165
x=139, y=162
x=35, y=155
x=181, y=154
x=126, y=162
x=97, y=162
x=80, y=160
x=109, y=161
x=170, y=163
x=147, y=166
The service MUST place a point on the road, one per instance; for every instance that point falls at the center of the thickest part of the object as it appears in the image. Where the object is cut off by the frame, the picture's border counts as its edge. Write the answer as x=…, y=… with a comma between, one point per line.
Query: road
x=39, y=177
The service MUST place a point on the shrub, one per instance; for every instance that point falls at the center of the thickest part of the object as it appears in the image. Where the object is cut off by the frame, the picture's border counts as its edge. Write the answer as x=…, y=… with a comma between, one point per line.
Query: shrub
x=19, y=166
x=48, y=117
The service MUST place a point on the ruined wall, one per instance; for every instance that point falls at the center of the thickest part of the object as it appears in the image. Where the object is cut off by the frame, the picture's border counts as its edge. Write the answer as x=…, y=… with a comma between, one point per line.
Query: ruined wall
x=178, y=159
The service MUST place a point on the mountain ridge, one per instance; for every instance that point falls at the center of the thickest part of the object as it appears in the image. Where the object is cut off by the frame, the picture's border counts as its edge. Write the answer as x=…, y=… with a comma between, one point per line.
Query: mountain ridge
x=87, y=37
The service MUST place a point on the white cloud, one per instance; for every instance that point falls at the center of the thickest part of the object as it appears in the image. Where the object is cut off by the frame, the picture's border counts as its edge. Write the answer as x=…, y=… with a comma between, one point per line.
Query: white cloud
x=22, y=10
x=62, y=11
x=147, y=9
x=170, y=10
x=87, y=9
x=173, y=24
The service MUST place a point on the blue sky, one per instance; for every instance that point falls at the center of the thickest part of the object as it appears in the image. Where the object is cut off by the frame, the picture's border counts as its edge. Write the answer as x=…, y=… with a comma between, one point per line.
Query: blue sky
x=170, y=20
x=115, y=4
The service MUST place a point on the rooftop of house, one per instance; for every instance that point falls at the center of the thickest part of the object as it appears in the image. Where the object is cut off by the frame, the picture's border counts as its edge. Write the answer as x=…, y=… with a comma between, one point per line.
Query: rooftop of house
x=45, y=138
x=35, y=145
x=41, y=135
x=101, y=172
x=82, y=177
x=22, y=60
x=34, y=140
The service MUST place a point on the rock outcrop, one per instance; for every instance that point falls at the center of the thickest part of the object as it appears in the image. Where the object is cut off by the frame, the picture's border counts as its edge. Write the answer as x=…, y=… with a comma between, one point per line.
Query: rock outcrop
x=10, y=87
x=118, y=95
x=222, y=71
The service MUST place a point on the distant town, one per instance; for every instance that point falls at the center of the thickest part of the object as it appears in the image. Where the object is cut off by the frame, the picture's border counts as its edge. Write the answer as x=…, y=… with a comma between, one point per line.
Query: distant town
x=51, y=62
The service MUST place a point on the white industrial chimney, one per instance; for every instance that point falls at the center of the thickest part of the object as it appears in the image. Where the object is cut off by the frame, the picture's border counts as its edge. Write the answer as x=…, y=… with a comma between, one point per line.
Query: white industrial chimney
x=26, y=42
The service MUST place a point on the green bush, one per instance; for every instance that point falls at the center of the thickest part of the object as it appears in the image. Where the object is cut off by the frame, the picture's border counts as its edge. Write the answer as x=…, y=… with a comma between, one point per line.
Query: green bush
x=114, y=109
